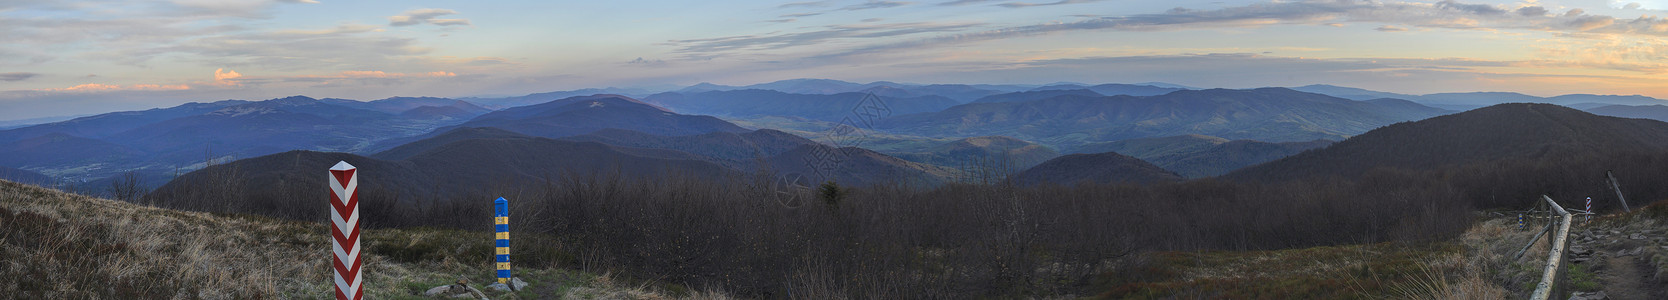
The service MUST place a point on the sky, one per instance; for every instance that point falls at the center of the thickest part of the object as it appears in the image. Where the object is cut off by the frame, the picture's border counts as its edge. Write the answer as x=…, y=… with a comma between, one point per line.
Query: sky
x=93, y=56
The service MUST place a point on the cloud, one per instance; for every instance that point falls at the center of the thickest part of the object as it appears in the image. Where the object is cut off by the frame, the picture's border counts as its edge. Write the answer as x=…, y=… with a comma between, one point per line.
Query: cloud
x=799, y=15
x=1389, y=28
x=646, y=62
x=349, y=46
x=806, y=4
x=872, y=4
x=1532, y=11
x=426, y=15
x=963, y=2
x=227, y=78
x=826, y=34
x=300, y=1
x=1061, y=2
x=17, y=76
x=1446, y=14
x=96, y=87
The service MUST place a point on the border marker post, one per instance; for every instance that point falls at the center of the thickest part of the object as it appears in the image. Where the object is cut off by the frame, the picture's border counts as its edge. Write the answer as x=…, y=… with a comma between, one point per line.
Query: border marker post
x=344, y=231
x=501, y=224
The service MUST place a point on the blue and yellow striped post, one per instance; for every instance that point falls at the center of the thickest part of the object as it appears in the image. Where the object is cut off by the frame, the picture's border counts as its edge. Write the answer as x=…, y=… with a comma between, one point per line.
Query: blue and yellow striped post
x=501, y=219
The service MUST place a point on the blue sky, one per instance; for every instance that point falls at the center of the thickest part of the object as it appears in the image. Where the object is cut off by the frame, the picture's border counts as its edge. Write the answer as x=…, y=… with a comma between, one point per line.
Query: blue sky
x=78, y=57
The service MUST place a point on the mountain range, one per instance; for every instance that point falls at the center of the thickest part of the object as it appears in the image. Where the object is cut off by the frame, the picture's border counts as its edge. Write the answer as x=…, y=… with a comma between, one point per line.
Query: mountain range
x=1513, y=131
x=1199, y=156
x=1466, y=101
x=1267, y=114
x=163, y=140
x=824, y=107
x=1109, y=167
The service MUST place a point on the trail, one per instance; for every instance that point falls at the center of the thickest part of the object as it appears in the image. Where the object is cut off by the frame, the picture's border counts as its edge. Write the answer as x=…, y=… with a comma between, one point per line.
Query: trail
x=1622, y=266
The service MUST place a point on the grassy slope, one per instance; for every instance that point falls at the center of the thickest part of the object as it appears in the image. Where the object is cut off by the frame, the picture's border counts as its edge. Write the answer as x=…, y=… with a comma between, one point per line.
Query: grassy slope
x=59, y=245
x=1458, y=269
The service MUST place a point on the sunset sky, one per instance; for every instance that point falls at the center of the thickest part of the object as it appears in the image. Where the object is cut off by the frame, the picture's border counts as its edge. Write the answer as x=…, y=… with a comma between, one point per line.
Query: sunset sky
x=80, y=57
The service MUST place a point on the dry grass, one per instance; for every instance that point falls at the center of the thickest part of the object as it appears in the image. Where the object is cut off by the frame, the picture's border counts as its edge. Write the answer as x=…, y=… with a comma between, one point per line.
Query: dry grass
x=1465, y=268
x=56, y=245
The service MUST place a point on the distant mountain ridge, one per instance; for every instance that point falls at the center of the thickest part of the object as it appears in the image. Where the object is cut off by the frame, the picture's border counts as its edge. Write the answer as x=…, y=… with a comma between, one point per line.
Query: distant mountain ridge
x=824, y=107
x=1109, y=167
x=163, y=140
x=1654, y=112
x=1266, y=114
x=1199, y=156
x=1500, y=132
x=585, y=114
x=1478, y=99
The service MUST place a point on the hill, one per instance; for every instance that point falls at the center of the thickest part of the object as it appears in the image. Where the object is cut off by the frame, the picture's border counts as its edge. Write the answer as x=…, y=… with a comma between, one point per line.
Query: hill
x=1653, y=112
x=1109, y=167
x=465, y=162
x=24, y=176
x=536, y=98
x=129, y=251
x=585, y=114
x=1472, y=100
x=1514, y=131
x=457, y=134
x=56, y=150
x=1233, y=155
x=786, y=155
x=160, y=142
x=397, y=105
x=740, y=151
x=807, y=165
x=1112, y=89
x=1267, y=114
x=1008, y=153
x=1036, y=95
x=104, y=125
x=825, y=107
x=1349, y=92
x=1146, y=148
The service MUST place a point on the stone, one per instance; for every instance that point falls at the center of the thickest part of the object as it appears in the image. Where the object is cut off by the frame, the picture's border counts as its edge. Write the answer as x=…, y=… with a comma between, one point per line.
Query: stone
x=439, y=290
x=459, y=290
x=519, y=285
x=1599, y=295
x=1636, y=236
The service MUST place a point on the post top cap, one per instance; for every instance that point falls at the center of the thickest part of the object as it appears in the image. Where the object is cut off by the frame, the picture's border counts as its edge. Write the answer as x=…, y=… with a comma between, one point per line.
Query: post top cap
x=342, y=166
x=500, y=200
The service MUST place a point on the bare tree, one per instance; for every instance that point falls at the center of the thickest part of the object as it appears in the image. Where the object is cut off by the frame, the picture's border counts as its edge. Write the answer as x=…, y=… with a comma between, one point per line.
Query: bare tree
x=127, y=187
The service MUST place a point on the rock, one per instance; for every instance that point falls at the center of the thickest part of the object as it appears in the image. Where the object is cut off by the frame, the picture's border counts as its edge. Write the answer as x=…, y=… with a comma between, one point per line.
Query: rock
x=1615, y=232
x=439, y=290
x=1636, y=236
x=459, y=290
x=519, y=285
x=1599, y=295
x=1581, y=259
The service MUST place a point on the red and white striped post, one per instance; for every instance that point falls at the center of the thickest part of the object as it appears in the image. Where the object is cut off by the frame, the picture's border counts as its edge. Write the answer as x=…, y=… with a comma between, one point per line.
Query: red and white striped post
x=344, y=230
x=1589, y=209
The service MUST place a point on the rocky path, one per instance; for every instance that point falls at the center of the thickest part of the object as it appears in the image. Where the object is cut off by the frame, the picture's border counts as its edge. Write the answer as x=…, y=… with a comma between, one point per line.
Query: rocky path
x=1620, y=258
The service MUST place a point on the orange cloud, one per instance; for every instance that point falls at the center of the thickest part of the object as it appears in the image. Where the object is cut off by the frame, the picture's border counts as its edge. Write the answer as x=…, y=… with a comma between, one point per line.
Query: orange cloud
x=96, y=87
x=226, y=77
